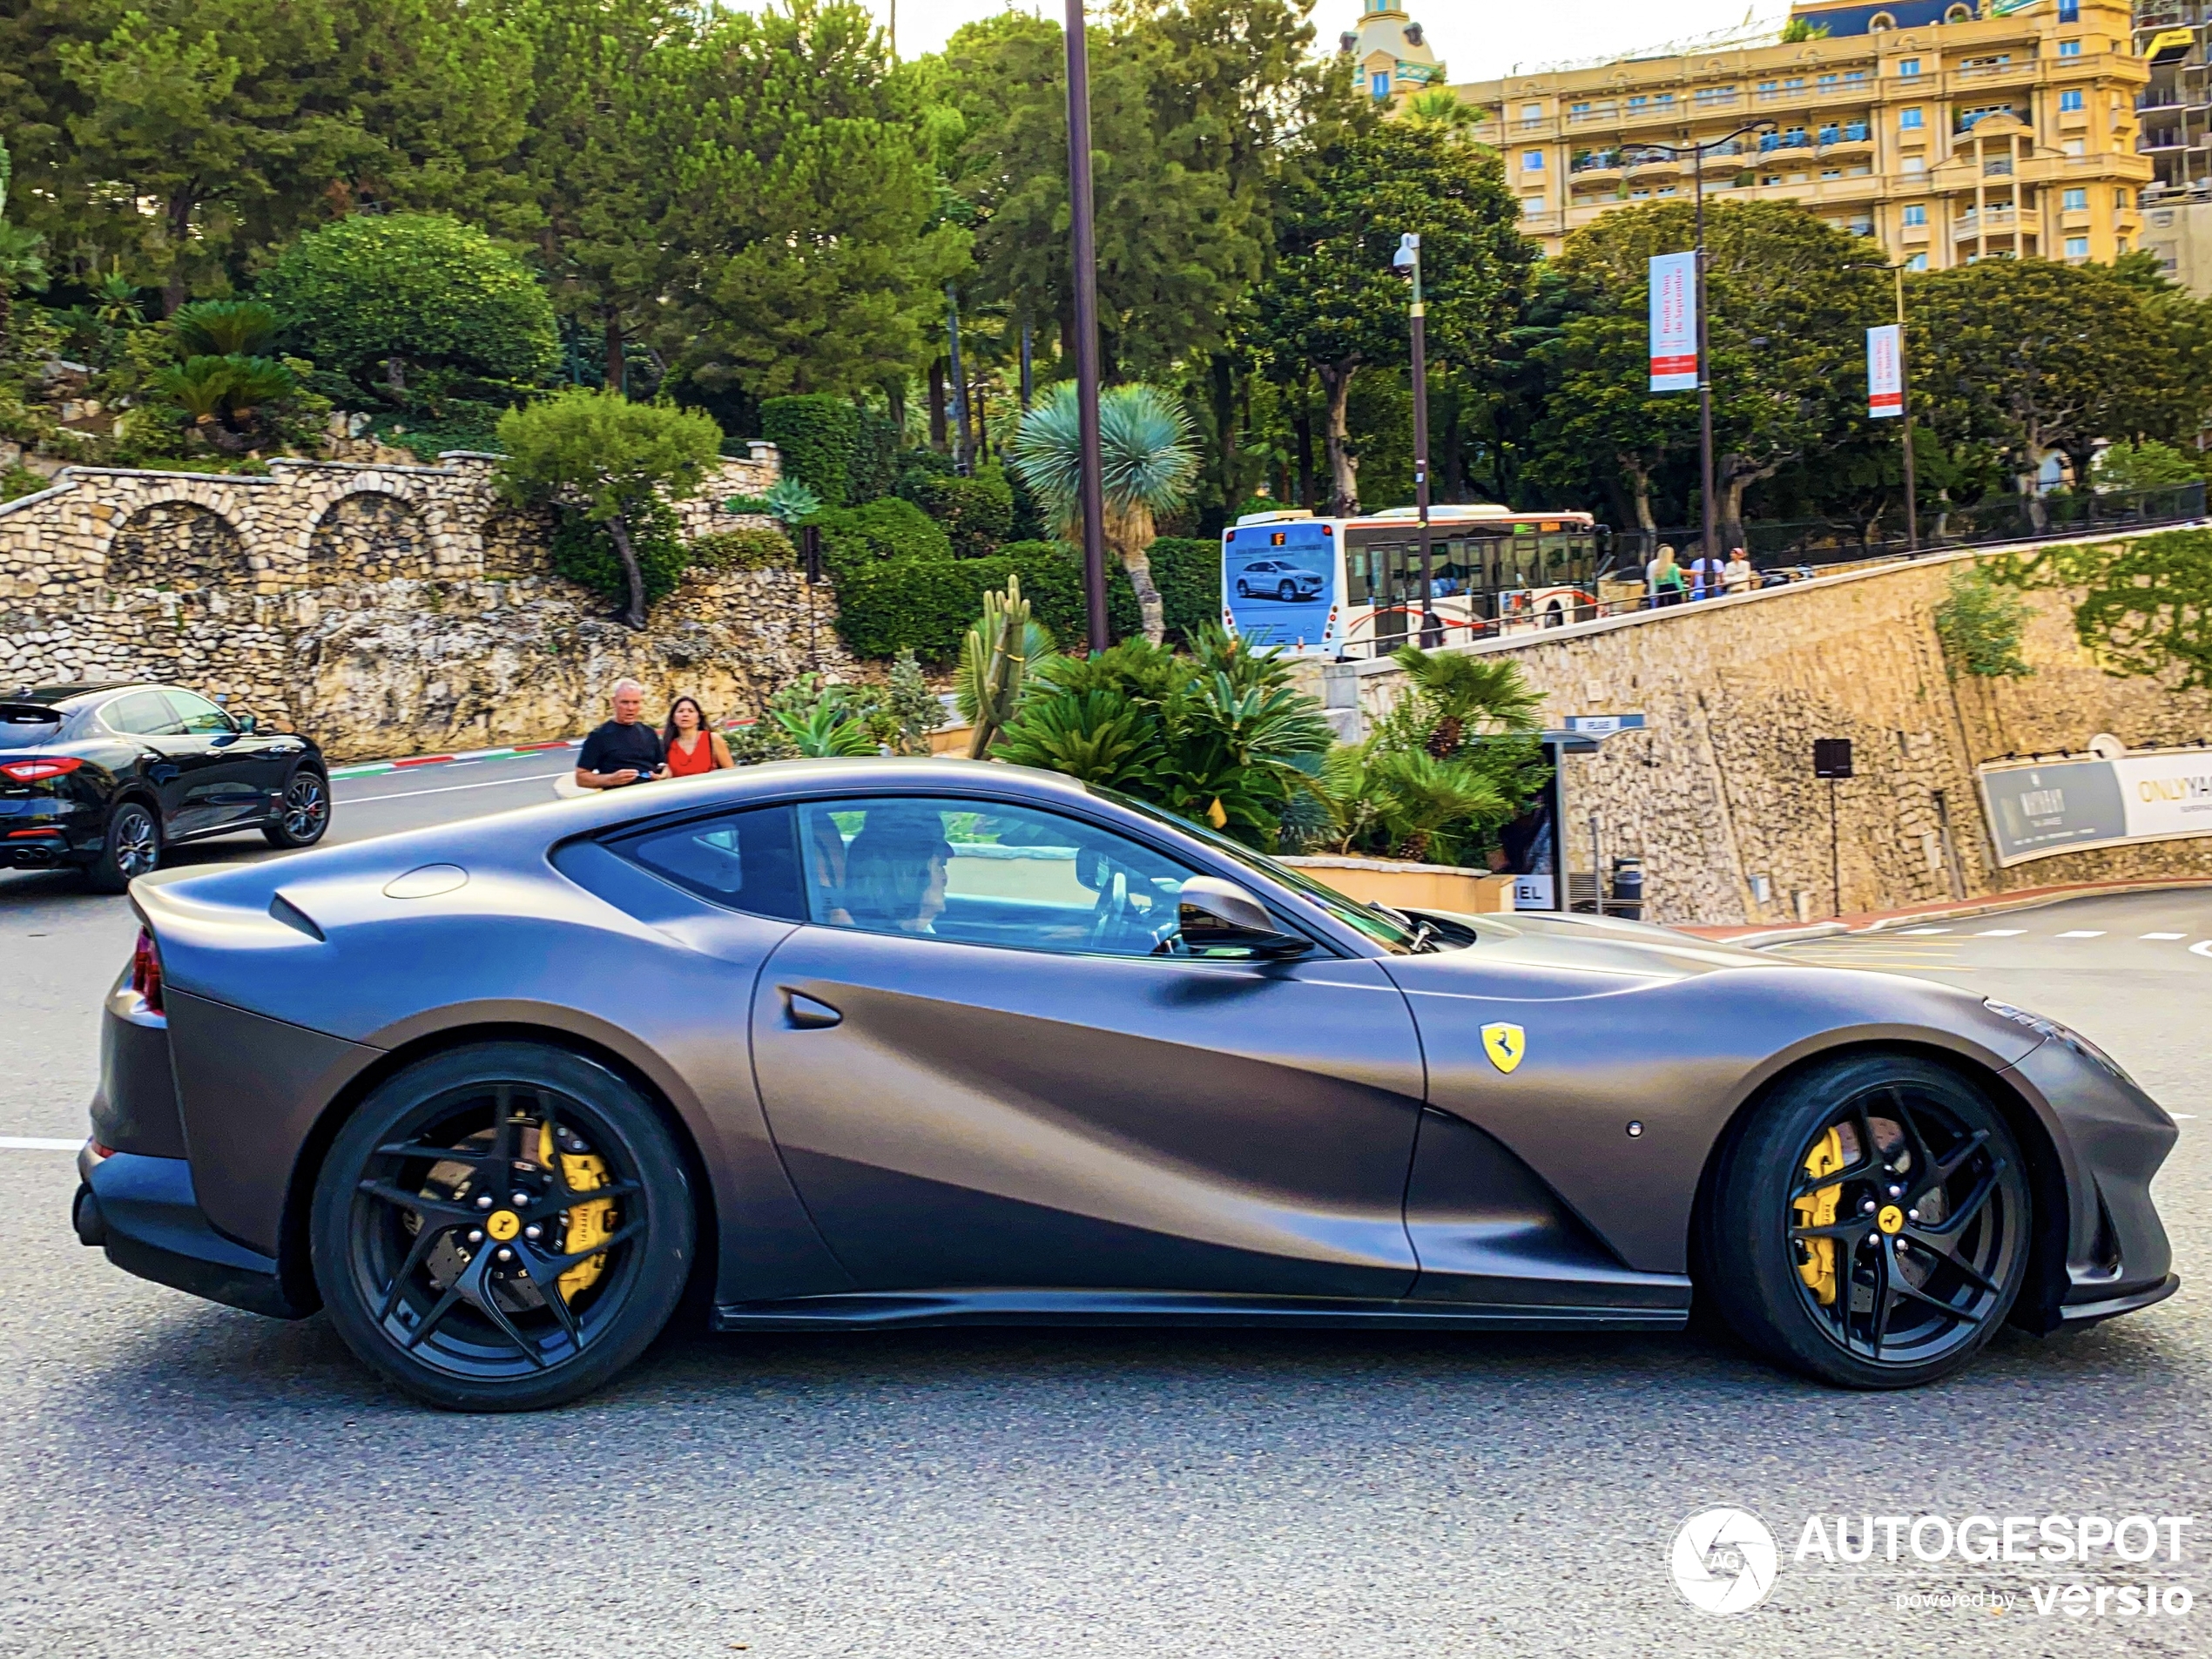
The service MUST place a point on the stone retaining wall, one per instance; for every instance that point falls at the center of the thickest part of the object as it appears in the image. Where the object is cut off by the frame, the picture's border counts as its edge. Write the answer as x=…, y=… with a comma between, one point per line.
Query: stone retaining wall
x=1719, y=792
x=383, y=610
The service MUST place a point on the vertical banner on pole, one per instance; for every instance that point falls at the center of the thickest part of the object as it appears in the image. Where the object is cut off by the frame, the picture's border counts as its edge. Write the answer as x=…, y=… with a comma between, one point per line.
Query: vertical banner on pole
x=1673, y=322
x=1884, y=376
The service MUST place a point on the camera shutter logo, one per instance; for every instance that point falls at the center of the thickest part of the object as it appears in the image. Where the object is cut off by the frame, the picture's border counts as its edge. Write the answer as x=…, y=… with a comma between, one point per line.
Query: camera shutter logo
x=1723, y=1561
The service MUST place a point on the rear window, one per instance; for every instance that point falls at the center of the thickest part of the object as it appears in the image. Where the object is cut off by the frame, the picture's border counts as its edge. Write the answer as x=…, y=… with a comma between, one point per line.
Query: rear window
x=144, y=714
x=748, y=861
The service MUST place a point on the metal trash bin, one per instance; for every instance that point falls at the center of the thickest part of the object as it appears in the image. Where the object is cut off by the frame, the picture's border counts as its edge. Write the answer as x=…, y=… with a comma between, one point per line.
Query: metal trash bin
x=1627, y=889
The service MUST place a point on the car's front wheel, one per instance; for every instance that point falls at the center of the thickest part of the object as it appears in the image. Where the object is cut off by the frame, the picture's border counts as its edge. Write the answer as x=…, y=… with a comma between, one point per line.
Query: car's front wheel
x=1871, y=1223
x=129, y=848
x=304, y=813
x=502, y=1227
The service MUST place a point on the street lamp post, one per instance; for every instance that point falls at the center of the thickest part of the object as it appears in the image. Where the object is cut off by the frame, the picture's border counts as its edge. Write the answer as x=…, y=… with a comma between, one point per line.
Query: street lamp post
x=1084, y=257
x=1708, y=537
x=1905, y=421
x=1408, y=261
x=964, y=460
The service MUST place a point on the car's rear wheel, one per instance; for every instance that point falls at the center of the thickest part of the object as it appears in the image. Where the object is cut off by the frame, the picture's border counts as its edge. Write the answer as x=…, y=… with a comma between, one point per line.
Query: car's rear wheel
x=1871, y=1223
x=304, y=813
x=502, y=1227
x=130, y=847
x=1286, y=591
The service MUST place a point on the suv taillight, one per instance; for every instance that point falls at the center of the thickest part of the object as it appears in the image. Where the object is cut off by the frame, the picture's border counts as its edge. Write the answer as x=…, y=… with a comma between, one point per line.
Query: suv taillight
x=145, y=972
x=38, y=772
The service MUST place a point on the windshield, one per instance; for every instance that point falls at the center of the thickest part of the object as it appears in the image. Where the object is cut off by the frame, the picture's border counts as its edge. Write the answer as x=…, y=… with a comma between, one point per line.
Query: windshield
x=1394, y=932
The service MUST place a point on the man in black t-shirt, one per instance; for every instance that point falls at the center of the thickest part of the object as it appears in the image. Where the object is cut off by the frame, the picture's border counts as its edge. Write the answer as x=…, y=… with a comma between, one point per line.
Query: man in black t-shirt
x=624, y=751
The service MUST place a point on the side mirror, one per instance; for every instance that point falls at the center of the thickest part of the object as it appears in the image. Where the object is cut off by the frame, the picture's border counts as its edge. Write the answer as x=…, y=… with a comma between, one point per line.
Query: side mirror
x=1220, y=915
x=247, y=725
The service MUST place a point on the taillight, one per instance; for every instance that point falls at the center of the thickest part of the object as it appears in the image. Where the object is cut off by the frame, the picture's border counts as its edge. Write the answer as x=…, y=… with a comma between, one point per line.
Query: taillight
x=145, y=972
x=38, y=772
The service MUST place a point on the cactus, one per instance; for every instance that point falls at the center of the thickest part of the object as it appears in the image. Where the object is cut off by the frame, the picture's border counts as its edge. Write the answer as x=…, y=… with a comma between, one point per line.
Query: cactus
x=996, y=657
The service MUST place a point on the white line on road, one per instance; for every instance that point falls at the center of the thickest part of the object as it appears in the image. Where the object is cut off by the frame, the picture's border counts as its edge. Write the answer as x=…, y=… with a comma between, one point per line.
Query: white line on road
x=489, y=782
x=34, y=1143
x=2202, y=947
x=2084, y=933
x=2000, y=933
x=2161, y=935
x=2189, y=1116
x=1908, y=933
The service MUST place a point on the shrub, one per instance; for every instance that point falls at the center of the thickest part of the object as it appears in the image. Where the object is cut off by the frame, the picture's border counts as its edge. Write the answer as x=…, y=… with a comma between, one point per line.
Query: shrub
x=1980, y=627
x=875, y=458
x=2148, y=465
x=976, y=512
x=583, y=551
x=855, y=537
x=745, y=549
x=816, y=433
x=926, y=605
x=1187, y=570
x=428, y=291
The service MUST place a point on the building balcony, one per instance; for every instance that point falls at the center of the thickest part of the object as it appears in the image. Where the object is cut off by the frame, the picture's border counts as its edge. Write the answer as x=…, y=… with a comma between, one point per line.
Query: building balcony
x=1596, y=167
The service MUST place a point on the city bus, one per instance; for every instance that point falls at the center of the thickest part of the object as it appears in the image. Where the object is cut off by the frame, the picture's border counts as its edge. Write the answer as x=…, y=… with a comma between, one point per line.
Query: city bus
x=1352, y=587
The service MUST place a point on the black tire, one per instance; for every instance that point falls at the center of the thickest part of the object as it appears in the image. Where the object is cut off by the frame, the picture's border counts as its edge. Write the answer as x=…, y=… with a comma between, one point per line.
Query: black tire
x=303, y=811
x=457, y=1318
x=130, y=847
x=1929, y=1237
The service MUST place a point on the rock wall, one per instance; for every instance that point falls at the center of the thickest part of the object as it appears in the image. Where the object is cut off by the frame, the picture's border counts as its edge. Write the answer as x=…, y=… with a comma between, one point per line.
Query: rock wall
x=384, y=610
x=1717, y=793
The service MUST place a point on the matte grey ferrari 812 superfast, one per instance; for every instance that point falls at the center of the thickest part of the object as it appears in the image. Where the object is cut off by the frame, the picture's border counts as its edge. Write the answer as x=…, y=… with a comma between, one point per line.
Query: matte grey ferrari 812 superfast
x=880, y=1042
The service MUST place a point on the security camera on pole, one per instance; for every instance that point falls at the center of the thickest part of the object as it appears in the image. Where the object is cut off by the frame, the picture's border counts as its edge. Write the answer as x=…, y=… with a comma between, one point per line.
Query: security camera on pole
x=1408, y=263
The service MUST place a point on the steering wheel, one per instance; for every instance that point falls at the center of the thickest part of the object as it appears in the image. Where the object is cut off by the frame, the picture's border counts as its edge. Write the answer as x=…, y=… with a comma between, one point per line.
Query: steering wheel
x=1112, y=910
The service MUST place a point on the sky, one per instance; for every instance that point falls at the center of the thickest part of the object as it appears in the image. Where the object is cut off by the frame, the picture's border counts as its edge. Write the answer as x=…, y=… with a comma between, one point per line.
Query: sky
x=1477, y=42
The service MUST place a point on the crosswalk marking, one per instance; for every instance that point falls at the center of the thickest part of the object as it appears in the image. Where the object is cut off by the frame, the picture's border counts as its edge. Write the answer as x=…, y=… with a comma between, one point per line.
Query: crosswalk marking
x=2161, y=935
x=2000, y=933
x=2084, y=932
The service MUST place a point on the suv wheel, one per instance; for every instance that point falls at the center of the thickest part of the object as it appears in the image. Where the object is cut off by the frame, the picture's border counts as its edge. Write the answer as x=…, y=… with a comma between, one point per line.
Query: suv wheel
x=305, y=813
x=130, y=847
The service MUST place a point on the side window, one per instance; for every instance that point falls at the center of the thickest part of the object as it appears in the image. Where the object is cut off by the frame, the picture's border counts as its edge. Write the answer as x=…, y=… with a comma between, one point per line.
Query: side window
x=200, y=717
x=142, y=714
x=747, y=861
x=985, y=873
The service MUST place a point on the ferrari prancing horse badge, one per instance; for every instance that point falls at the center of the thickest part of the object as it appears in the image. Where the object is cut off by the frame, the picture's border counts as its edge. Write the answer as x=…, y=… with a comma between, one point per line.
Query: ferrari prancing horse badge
x=1505, y=1044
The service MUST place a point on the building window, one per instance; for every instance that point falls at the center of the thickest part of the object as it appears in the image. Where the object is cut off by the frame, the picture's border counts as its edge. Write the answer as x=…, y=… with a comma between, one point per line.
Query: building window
x=2074, y=201
x=1916, y=214
x=2070, y=100
x=2077, y=247
x=1578, y=109
x=2069, y=10
x=2120, y=201
x=2076, y=147
x=1379, y=83
x=1912, y=120
x=1850, y=75
x=1878, y=22
x=1825, y=81
x=1532, y=111
x=1768, y=87
x=1958, y=14
x=1907, y=67
x=1638, y=102
x=1913, y=164
x=1531, y=161
x=2069, y=49
x=1916, y=262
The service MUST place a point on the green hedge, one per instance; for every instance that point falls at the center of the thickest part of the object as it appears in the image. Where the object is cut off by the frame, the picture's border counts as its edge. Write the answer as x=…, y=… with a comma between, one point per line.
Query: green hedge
x=817, y=434
x=745, y=549
x=976, y=512
x=927, y=605
x=856, y=537
x=584, y=552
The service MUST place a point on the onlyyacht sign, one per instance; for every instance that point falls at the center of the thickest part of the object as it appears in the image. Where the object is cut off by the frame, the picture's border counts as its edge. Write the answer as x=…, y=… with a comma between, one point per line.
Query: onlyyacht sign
x=2038, y=808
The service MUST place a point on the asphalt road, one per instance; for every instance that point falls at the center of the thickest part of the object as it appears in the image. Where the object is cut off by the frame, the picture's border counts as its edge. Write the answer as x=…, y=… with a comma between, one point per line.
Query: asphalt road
x=181, y=1478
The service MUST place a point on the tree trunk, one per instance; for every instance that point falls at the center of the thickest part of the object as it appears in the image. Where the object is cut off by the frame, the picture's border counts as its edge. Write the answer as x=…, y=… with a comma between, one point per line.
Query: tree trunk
x=2029, y=482
x=1344, y=466
x=1639, y=477
x=634, y=615
x=1733, y=475
x=395, y=376
x=1302, y=429
x=617, y=367
x=7, y=315
x=1131, y=535
x=937, y=435
x=179, y=214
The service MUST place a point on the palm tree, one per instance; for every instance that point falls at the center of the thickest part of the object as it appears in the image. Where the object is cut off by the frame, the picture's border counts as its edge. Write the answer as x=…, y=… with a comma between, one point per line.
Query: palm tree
x=1442, y=106
x=1454, y=690
x=1149, y=463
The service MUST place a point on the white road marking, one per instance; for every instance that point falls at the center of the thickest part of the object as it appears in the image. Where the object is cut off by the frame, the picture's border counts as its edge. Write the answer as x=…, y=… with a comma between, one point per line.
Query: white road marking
x=1909, y=933
x=2188, y=1117
x=2000, y=933
x=2202, y=947
x=35, y=1144
x=2084, y=933
x=489, y=782
x=2161, y=935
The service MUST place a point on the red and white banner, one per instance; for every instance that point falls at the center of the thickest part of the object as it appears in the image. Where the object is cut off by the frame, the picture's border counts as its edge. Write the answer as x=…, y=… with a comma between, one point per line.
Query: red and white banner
x=1885, y=371
x=1673, y=322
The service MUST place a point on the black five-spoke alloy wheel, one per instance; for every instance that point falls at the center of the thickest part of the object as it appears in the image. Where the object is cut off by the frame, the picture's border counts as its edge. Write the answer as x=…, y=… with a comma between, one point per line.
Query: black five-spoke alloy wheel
x=305, y=813
x=502, y=1227
x=131, y=847
x=1872, y=1223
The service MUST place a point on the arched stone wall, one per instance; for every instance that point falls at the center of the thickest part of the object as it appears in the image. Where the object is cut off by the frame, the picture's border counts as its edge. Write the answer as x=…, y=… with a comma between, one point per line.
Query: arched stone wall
x=181, y=544
x=368, y=536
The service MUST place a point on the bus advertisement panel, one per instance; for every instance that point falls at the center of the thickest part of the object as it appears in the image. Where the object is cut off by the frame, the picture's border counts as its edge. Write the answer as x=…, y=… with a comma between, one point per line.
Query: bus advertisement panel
x=1279, y=581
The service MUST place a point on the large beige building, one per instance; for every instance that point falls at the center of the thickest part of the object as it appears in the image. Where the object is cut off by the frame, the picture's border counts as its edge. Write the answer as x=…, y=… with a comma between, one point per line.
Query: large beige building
x=1945, y=135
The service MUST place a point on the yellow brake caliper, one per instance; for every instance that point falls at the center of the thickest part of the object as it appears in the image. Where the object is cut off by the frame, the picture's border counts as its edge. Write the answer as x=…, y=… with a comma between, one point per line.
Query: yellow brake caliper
x=590, y=1224
x=1817, y=1209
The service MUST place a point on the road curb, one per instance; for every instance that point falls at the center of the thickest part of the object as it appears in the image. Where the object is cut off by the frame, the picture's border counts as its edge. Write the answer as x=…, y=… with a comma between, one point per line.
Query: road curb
x=1878, y=921
x=375, y=768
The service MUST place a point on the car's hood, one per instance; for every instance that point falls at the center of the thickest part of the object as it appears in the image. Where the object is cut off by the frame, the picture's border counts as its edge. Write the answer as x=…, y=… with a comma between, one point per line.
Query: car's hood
x=1572, y=945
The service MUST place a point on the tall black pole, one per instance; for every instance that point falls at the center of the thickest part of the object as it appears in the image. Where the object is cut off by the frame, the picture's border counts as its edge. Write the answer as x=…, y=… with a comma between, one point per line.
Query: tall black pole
x=1028, y=379
x=1084, y=255
x=960, y=454
x=1432, y=630
x=1704, y=368
x=1905, y=421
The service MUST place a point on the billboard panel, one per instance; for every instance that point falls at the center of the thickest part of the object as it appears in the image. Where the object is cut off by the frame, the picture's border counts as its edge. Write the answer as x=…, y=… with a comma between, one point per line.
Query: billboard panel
x=1278, y=584
x=1673, y=322
x=1885, y=372
x=2035, y=810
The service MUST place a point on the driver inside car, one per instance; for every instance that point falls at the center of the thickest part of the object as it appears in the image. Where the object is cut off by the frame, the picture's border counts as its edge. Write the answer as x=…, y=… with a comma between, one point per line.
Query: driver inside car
x=894, y=877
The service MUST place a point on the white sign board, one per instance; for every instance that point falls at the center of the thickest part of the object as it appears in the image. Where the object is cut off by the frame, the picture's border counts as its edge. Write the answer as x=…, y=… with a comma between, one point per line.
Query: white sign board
x=2035, y=810
x=1673, y=322
x=1603, y=726
x=1885, y=372
x=1532, y=893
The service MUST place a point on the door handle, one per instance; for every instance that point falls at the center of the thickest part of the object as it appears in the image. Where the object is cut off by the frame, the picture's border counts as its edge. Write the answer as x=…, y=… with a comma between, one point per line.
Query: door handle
x=808, y=1013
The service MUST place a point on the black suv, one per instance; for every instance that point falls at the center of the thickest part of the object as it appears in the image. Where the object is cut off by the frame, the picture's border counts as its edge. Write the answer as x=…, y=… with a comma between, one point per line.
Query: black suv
x=102, y=777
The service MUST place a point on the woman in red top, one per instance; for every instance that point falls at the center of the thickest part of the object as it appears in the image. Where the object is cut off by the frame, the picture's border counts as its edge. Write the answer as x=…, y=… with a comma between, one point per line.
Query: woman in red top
x=692, y=747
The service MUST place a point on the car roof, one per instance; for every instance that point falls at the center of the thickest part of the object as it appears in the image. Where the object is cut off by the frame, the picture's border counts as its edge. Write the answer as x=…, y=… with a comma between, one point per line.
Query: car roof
x=61, y=696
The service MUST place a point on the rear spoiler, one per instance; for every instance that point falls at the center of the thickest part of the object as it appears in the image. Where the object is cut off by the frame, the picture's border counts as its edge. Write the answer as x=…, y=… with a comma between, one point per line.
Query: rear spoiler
x=29, y=714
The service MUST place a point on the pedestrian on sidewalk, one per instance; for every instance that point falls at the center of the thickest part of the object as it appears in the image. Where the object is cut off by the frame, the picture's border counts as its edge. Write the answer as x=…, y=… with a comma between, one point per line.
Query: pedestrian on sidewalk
x=692, y=746
x=1738, y=575
x=625, y=751
x=1665, y=578
x=1704, y=575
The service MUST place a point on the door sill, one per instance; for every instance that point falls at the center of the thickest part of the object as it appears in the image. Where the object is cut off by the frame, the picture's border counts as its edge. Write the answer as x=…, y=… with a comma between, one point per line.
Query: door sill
x=892, y=1309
